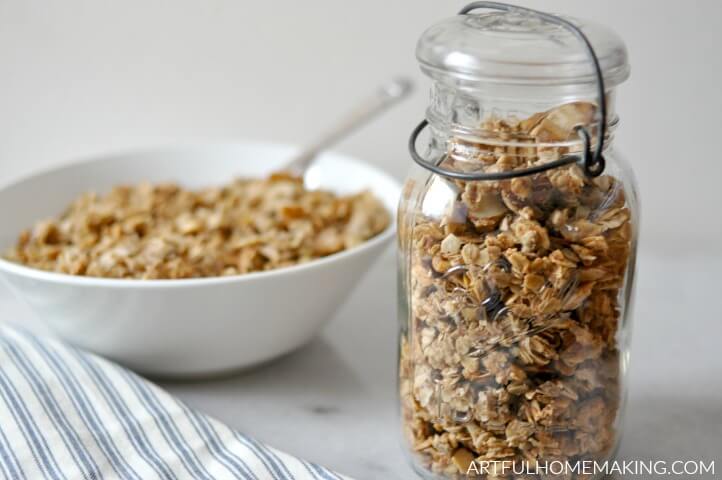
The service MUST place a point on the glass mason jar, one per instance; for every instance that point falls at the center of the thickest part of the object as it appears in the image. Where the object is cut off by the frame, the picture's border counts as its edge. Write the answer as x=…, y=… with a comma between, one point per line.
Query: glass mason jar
x=516, y=288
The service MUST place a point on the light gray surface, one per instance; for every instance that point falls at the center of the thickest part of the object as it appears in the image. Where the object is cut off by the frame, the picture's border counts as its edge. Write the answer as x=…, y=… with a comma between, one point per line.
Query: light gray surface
x=334, y=401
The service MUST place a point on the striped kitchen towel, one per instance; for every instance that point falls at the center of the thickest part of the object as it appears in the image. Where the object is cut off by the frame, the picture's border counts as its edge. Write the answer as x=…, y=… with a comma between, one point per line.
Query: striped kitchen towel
x=67, y=414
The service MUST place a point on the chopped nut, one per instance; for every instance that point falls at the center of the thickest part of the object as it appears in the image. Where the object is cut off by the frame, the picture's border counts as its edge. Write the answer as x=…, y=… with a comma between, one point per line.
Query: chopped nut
x=462, y=458
x=450, y=245
x=533, y=282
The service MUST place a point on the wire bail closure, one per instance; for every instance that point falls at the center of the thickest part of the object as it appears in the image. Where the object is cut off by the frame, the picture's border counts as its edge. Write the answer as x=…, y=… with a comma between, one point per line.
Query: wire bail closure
x=592, y=162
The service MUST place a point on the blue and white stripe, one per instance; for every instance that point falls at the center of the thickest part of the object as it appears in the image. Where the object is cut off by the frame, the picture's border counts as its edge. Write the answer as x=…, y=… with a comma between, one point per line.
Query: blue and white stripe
x=66, y=414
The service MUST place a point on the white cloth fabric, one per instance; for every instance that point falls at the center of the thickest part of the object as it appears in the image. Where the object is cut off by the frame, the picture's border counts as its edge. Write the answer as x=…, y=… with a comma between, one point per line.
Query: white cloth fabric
x=67, y=414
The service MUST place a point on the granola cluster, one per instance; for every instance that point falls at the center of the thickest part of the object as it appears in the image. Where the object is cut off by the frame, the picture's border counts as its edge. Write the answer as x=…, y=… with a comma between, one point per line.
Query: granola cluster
x=514, y=305
x=165, y=231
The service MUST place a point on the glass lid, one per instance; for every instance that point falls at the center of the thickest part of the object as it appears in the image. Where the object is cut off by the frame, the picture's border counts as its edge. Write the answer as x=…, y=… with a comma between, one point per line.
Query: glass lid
x=516, y=48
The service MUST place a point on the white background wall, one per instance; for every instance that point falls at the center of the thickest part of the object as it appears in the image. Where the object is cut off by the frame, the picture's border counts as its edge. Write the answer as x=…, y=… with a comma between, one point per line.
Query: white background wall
x=85, y=76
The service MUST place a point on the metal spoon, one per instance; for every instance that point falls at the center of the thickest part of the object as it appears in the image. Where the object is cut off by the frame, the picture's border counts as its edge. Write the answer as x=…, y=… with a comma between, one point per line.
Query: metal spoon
x=387, y=95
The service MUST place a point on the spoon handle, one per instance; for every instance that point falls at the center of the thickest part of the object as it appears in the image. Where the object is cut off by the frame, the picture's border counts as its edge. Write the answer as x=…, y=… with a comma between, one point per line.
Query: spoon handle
x=387, y=95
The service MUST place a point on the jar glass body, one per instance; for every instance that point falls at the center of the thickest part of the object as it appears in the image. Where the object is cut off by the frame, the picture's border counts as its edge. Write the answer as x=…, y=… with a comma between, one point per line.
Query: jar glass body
x=514, y=295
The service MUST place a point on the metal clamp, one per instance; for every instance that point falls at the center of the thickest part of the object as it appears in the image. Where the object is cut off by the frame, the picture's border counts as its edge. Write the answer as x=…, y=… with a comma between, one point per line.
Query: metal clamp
x=593, y=163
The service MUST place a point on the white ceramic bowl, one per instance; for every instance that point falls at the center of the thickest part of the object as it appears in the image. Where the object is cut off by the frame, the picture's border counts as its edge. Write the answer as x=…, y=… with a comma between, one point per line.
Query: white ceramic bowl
x=191, y=327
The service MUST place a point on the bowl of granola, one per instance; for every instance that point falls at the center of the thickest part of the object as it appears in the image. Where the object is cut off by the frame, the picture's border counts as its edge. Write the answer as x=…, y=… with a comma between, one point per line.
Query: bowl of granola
x=196, y=260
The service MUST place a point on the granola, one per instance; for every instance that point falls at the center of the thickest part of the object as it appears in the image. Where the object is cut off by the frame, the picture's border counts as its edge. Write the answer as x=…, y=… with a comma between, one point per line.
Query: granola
x=164, y=231
x=514, y=306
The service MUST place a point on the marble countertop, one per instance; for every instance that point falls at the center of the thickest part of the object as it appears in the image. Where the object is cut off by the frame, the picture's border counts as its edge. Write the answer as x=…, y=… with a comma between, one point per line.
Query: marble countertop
x=334, y=401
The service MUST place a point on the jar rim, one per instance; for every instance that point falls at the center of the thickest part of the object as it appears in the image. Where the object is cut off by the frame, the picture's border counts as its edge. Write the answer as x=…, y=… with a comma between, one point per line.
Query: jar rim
x=480, y=135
